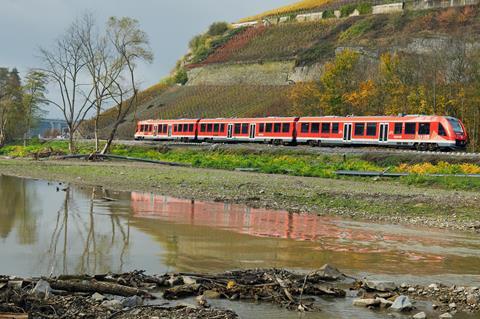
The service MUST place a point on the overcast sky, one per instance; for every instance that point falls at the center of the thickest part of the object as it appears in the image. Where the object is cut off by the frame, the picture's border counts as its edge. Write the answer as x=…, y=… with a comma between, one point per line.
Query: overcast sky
x=27, y=24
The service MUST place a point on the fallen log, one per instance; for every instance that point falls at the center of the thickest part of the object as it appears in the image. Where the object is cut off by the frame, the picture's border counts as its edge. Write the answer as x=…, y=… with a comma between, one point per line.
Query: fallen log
x=100, y=287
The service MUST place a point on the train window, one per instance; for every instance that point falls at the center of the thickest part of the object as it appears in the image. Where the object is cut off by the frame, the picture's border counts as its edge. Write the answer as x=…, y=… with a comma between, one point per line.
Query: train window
x=359, y=129
x=209, y=127
x=277, y=127
x=190, y=127
x=286, y=127
x=268, y=127
x=315, y=128
x=216, y=128
x=424, y=128
x=238, y=128
x=203, y=127
x=305, y=127
x=222, y=127
x=398, y=128
x=410, y=128
x=335, y=128
x=441, y=130
x=175, y=127
x=245, y=128
x=183, y=127
x=371, y=129
x=261, y=128
x=325, y=128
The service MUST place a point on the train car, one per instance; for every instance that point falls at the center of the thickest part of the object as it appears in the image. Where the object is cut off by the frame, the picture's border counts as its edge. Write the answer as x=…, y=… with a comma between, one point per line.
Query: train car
x=410, y=131
x=270, y=129
x=183, y=130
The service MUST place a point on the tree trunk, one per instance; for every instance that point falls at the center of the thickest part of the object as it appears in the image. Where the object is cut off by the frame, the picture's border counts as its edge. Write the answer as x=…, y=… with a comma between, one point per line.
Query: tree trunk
x=107, y=146
x=71, y=146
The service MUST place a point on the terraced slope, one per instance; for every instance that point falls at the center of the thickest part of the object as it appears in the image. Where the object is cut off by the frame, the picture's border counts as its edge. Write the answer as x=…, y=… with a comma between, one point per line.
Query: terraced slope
x=210, y=101
x=301, y=6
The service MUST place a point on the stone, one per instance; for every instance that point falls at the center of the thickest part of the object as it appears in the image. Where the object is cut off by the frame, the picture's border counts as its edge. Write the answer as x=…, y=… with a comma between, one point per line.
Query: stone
x=472, y=299
x=202, y=301
x=452, y=305
x=329, y=272
x=446, y=315
x=402, y=303
x=211, y=294
x=130, y=302
x=433, y=286
x=370, y=302
x=113, y=305
x=411, y=289
x=420, y=315
x=98, y=297
x=188, y=280
x=383, y=286
x=404, y=285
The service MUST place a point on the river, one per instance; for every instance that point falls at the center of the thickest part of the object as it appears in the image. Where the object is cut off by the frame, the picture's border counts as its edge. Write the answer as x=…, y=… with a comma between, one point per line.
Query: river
x=53, y=228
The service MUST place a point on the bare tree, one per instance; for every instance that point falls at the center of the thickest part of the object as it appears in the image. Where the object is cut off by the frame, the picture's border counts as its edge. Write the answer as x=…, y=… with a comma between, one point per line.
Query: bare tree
x=104, y=67
x=131, y=46
x=64, y=64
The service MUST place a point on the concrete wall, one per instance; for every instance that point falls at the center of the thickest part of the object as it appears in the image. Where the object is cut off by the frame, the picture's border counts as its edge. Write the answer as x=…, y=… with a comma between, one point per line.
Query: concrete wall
x=271, y=73
x=310, y=17
x=430, y=4
x=388, y=8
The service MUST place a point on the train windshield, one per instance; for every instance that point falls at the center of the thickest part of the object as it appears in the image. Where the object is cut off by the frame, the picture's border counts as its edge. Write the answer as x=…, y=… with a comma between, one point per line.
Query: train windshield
x=457, y=127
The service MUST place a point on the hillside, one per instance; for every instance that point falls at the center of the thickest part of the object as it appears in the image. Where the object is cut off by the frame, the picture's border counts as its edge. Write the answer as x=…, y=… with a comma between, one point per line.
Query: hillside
x=403, y=59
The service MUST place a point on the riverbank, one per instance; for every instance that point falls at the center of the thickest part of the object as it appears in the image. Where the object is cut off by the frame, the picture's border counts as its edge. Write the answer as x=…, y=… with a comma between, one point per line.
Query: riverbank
x=195, y=295
x=366, y=199
x=294, y=161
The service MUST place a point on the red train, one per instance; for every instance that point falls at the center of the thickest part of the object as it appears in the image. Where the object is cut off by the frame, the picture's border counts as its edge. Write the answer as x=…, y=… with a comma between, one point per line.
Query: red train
x=409, y=131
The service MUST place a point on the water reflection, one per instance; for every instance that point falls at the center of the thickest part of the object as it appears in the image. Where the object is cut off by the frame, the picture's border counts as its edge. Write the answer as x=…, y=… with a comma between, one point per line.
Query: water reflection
x=53, y=228
x=205, y=235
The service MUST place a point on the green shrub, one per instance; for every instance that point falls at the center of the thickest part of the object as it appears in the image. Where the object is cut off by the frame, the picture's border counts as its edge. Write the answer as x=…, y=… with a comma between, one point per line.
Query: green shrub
x=218, y=28
x=365, y=8
x=347, y=9
x=327, y=14
x=181, y=76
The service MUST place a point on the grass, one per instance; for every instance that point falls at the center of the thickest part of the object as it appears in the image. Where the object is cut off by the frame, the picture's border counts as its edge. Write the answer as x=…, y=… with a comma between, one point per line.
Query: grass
x=278, y=161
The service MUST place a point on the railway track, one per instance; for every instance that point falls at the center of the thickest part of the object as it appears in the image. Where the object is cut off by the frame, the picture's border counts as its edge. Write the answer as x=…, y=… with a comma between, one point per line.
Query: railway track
x=320, y=150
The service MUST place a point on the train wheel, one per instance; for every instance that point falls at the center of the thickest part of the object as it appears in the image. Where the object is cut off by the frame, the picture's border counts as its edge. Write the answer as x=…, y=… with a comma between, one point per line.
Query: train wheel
x=312, y=143
x=422, y=147
x=277, y=142
x=433, y=147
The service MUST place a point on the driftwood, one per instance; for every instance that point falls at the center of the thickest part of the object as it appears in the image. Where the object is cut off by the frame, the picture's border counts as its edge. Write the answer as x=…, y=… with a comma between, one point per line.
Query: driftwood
x=93, y=286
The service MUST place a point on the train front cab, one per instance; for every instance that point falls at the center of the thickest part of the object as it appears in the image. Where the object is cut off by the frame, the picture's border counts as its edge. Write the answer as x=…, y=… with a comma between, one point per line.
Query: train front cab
x=456, y=134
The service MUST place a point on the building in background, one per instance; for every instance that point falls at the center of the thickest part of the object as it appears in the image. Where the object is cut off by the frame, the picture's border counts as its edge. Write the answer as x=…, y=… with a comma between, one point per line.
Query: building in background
x=49, y=128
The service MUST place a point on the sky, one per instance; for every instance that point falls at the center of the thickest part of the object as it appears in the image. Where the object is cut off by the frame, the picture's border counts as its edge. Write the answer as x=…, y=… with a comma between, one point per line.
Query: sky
x=26, y=25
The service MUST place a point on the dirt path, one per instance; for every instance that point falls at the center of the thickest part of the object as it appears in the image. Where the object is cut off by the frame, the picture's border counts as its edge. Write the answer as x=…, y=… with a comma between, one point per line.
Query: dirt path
x=367, y=199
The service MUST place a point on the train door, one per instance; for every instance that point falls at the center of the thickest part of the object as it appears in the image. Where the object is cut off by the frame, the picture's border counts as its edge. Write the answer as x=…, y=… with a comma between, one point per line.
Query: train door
x=347, y=132
x=155, y=130
x=383, y=136
x=252, y=130
x=170, y=130
x=230, y=131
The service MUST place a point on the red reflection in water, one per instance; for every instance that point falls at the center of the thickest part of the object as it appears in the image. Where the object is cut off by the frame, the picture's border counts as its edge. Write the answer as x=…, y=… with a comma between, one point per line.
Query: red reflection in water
x=271, y=223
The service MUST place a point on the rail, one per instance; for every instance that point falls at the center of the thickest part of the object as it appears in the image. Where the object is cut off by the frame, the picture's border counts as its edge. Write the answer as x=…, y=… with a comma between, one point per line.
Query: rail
x=385, y=174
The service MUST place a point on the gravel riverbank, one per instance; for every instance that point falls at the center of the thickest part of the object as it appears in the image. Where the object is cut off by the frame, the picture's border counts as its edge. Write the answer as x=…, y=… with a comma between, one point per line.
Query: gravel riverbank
x=367, y=199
